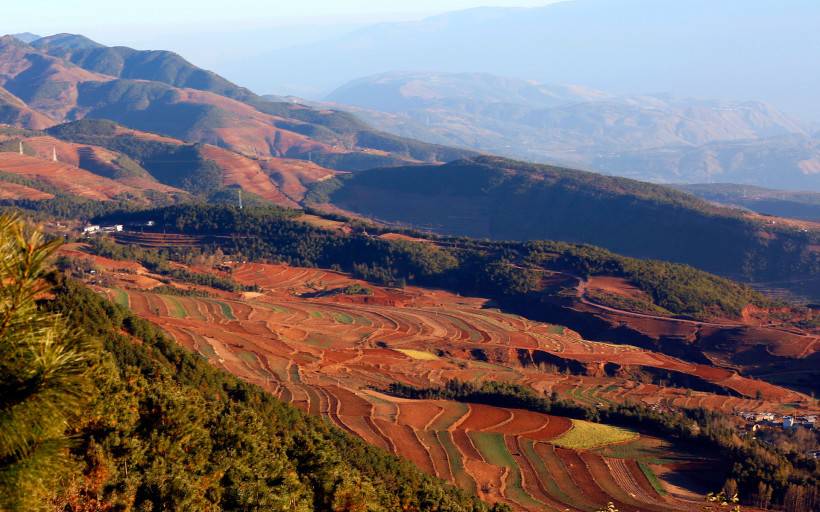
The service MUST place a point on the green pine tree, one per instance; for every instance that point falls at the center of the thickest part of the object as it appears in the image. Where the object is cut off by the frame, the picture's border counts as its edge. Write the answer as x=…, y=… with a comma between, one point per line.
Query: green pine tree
x=44, y=372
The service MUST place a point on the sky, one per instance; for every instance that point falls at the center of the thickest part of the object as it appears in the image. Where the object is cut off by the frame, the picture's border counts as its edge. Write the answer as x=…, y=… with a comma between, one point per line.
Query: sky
x=217, y=33
x=109, y=18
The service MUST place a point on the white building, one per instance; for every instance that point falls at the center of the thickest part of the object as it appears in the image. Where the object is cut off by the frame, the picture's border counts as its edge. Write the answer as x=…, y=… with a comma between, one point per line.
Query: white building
x=91, y=228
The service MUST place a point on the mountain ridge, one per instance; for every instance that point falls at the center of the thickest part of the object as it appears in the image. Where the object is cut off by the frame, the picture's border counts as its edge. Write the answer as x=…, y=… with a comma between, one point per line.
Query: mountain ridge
x=147, y=100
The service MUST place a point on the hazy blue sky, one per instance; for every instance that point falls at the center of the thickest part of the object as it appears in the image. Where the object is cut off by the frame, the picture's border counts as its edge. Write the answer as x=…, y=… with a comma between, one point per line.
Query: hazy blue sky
x=129, y=18
x=212, y=33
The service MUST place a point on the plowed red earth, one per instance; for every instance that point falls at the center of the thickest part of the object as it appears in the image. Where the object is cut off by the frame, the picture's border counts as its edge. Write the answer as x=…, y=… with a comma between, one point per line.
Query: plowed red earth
x=327, y=352
x=14, y=191
x=94, y=159
x=72, y=180
x=294, y=176
x=247, y=174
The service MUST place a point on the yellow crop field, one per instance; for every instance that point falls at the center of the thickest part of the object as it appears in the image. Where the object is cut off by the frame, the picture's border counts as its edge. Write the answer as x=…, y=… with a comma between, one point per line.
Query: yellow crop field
x=585, y=435
x=418, y=354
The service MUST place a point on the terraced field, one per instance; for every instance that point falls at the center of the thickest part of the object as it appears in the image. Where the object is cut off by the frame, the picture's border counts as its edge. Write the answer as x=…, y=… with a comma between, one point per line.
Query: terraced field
x=326, y=352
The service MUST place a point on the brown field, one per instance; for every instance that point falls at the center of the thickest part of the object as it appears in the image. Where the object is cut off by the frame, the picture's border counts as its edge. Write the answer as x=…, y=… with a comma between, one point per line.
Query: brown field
x=247, y=174
x=91, y=158
x=294, y=176
x=157, y=240
x=321, y=222
x=617, y=286
x=327, y=352
x=14, y=191
x=68, y=178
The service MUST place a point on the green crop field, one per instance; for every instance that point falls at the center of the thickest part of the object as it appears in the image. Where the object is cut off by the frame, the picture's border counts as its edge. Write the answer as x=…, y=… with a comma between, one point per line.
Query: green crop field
x=226, y=310
x=343, y=318
x=452, y=413
x=494, y=450
x=121, y=297
x=650, y=475
x=456, y=464
x=643, y=450
x=585, y=435
x=318, y=341
x=248, y=357
x=538, y=465
x=461, y=324
x=175, y=308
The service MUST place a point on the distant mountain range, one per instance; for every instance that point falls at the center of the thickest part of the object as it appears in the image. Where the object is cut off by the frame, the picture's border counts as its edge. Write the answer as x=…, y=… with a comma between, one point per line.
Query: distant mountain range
x=698, y=48
x=655, y=138
x=69, y=77
x=789, y=162
x=26, y=37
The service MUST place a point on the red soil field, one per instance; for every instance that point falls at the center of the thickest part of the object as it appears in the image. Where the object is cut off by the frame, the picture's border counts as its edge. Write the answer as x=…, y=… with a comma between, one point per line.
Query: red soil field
x=70, y=179
x=617, y=286
x=247, y=174
x=294, y=176
x=14, y=191
x=67, y=152
x=484, y=417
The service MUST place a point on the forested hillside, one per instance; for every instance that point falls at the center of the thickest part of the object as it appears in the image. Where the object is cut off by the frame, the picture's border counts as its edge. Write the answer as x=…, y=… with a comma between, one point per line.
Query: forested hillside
x=488, y=197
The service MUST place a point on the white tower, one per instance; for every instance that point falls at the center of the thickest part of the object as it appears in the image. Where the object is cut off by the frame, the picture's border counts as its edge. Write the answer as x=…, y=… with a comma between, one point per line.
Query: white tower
x=53, y=154
x=21, y=147
x=240, y=197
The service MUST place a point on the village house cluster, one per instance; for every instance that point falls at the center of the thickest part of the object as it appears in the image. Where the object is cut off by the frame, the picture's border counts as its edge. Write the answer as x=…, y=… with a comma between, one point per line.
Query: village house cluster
x=770, y=419
x=92, y=229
